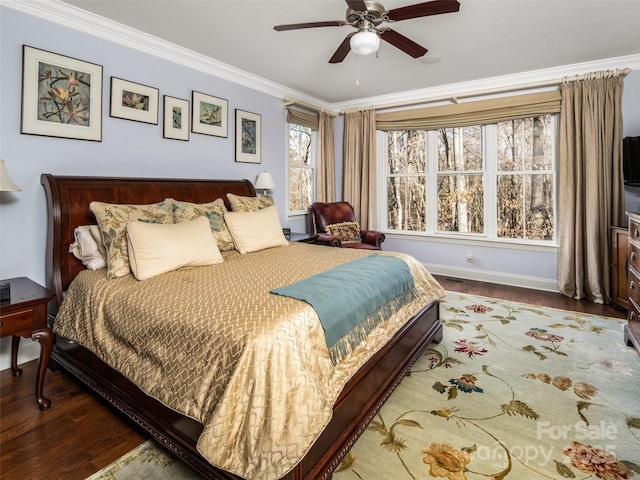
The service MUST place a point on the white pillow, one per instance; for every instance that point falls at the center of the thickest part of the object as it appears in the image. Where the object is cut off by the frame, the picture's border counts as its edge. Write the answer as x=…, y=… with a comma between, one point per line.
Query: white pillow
x=88, y=247
x=156, y=248
x=253, y=231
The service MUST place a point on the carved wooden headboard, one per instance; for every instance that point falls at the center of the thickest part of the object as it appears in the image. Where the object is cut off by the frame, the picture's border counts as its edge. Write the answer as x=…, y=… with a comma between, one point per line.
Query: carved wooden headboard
x=68, y=200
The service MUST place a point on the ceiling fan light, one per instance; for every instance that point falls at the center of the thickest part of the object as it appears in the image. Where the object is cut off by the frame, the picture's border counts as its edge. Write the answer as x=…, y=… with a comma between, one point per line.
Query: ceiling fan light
x=365, y=42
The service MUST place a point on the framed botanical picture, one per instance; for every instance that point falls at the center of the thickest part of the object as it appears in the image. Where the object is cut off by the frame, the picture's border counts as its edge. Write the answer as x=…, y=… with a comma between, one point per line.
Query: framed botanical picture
x=176, y=118
x=133, y=101
x=61, y=96
x=208, y=115
x=247, y=137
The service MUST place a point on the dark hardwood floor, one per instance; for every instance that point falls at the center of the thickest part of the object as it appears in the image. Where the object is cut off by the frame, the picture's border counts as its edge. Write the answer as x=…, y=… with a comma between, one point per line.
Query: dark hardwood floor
x=534, y=297
x=79, y=435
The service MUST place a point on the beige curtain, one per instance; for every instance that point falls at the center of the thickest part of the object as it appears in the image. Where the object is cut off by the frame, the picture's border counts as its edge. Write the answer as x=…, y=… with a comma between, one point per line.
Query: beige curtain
x=359, y=176
x=479, y=112
x=591, y=189
x=306, y=119
x=326, y=171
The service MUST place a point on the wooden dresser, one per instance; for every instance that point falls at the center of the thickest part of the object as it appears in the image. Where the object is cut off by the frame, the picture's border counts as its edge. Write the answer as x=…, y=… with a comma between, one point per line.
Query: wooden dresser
x=632, y=328
x=619, y=266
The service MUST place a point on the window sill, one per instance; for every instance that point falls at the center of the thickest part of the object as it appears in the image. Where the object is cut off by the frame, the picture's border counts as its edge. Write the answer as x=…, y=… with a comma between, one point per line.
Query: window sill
x=473, y=240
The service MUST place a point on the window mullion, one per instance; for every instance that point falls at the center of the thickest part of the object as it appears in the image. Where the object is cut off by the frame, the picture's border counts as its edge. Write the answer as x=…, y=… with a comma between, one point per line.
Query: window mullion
x=432, y=181
x=490, y=179
x=382, y=165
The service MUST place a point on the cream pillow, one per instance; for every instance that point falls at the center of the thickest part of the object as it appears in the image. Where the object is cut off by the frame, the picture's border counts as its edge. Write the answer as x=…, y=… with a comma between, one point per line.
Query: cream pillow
x=248, y=204
x=155, y=248
x=88, y=247
x=214, y=211
x=113, y=219
x=253, y=231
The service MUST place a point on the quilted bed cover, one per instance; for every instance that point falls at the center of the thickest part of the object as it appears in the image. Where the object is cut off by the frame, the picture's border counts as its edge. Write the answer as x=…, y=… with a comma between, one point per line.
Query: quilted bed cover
x=212, y=343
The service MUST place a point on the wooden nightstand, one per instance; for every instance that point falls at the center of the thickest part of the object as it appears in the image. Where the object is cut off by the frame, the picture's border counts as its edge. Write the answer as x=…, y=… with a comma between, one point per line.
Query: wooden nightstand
x=301, y=237
x=25, y=315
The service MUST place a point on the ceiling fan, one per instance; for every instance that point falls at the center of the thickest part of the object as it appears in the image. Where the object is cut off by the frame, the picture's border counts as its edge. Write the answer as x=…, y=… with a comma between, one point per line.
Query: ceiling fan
x=368, y=17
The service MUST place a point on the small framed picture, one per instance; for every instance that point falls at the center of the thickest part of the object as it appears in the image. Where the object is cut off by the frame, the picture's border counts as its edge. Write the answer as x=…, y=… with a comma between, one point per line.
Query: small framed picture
x=176, y=118
x=133, y=101
x=61, y=96
x=209, y=115
x=247, y=137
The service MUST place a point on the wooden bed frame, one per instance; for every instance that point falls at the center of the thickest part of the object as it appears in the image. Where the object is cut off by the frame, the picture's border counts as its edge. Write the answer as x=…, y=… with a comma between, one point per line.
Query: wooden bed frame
x=68, y=199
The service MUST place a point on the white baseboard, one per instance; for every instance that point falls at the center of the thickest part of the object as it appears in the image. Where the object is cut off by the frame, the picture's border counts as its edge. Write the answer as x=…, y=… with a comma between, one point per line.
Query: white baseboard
x=546, y=284
x=29, y=350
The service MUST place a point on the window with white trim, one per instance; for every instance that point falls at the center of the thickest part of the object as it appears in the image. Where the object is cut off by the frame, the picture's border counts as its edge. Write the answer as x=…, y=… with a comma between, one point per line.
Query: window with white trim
x=301, y=168
x=494, y=182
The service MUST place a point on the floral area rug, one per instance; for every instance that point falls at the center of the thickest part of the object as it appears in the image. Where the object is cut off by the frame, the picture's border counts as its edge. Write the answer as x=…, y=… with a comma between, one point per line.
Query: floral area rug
x=513, y=391
x=148, y=461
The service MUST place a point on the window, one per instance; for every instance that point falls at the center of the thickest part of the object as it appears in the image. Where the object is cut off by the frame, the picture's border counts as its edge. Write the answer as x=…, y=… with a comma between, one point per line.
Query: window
x=302, y=152
x=525, y=179
x=493, y=181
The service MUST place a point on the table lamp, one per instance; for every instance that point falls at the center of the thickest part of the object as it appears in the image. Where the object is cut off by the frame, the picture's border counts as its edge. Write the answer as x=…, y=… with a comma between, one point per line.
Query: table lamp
x=6, y=185
x=264, y=182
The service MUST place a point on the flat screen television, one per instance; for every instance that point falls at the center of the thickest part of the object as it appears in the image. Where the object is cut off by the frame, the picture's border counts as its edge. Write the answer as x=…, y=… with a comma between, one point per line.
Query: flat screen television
x=631, y=160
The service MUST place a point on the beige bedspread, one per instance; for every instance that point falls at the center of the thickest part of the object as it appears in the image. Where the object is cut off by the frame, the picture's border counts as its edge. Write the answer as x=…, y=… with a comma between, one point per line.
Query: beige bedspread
x=214, y=344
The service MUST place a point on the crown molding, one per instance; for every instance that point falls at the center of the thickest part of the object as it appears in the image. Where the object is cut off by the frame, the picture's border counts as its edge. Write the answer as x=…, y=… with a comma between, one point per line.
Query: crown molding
x=70, y=16
x=73, y=17
x=506, y=82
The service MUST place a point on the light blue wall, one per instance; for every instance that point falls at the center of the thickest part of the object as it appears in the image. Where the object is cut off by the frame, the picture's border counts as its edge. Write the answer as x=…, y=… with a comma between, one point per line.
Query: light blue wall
x=127, y=148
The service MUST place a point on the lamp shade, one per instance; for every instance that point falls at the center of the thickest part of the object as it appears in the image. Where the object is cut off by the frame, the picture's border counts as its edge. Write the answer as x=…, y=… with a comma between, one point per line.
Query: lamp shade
x=265, y=181
x=6, y=184
x=365, y=42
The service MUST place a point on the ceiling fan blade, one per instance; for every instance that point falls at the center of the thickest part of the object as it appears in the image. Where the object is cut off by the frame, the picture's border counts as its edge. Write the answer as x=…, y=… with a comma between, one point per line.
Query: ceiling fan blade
x=403, y=43
x=435, y=7
x=343, y=50
x=296, y=26
x=357, y=5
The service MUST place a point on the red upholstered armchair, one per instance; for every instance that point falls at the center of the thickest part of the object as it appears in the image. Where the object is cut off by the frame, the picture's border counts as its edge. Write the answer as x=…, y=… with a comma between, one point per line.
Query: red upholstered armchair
x=335, y=225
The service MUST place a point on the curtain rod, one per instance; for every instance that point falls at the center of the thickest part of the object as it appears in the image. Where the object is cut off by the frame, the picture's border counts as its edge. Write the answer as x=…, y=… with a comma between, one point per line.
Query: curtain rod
x=489, y=91
x=287, y=101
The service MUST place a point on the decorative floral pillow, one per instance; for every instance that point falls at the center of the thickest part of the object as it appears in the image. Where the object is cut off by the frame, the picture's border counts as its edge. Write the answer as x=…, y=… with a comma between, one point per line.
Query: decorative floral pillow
x=214, y=211
x=248, y=204
x=113, y=218
x=349, y=232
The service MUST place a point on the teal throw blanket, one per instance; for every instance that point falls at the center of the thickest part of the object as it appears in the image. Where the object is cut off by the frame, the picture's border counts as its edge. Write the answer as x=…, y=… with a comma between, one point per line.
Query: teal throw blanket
x=353, y=298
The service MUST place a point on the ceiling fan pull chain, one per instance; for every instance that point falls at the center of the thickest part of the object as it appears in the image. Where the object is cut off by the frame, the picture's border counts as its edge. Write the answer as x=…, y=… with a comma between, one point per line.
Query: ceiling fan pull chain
x=357, y=70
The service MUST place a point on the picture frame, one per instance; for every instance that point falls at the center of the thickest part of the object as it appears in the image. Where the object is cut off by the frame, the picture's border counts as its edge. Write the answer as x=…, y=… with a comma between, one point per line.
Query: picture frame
x=176, y=118
x=209, y=114
x=61, y=96
x=248, y=136
x=134, y=101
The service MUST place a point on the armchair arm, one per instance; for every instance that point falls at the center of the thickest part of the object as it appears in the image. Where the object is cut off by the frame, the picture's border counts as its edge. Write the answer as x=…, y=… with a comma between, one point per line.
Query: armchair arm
x=328, y=240
x=372, y=237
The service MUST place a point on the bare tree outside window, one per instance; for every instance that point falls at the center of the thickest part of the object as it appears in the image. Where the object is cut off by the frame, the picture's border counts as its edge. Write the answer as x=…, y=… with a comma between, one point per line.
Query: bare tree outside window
x=525, y=179
x=300, y=168
x=460, y=180
x=406, y=181
x=459, y=165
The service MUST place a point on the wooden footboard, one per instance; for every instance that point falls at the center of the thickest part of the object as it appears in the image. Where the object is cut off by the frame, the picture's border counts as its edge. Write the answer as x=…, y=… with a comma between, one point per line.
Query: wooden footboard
x=357, y=405
x=68, y=201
